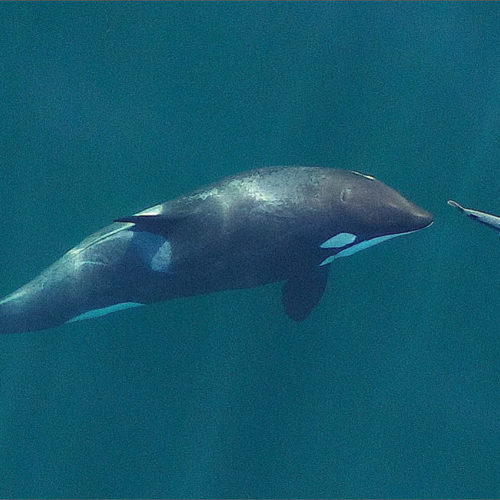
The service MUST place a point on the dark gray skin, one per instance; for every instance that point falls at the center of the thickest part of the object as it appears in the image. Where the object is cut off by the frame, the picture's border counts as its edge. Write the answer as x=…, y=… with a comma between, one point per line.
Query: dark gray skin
x=254, y=228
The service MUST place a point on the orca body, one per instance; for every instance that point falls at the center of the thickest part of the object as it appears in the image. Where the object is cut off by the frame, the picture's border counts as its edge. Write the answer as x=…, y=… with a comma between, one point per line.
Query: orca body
x=262, y=226
x=489, y=220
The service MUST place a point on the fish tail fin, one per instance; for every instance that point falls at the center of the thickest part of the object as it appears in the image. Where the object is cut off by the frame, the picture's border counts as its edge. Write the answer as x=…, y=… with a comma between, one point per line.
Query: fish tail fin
x=453, y=203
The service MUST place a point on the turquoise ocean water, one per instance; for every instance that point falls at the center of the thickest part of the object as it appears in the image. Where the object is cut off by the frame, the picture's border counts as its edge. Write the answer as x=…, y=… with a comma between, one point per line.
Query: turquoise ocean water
x=391, y=387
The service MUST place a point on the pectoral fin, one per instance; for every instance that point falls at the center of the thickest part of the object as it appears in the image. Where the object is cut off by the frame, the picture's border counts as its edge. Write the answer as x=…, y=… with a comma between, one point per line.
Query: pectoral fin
x=301, y=293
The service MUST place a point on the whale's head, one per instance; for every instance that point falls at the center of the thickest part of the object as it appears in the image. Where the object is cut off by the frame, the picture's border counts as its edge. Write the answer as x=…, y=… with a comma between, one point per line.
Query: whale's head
x=377, y=209
x=365, y=212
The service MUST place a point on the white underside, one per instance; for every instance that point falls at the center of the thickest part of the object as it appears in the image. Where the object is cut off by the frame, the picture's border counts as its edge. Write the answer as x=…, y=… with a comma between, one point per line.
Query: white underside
x=95, y=313
x=360, y=246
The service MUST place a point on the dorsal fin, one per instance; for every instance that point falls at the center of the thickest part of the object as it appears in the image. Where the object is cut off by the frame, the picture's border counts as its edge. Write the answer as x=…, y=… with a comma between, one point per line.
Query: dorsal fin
x=157, y=224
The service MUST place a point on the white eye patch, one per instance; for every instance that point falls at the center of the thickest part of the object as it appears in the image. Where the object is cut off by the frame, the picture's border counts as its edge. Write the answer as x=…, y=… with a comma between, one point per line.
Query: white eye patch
x=339, y=240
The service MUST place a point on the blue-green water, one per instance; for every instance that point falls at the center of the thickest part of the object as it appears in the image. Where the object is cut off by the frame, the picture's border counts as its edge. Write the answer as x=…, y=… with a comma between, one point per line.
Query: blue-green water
x=391, y=387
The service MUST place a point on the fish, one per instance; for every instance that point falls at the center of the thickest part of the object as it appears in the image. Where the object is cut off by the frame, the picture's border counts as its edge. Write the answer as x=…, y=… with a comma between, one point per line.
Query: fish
x=490, y=220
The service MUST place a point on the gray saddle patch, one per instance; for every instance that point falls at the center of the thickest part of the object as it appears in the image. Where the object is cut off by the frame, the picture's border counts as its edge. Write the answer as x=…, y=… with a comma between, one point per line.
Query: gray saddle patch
x=155, y=251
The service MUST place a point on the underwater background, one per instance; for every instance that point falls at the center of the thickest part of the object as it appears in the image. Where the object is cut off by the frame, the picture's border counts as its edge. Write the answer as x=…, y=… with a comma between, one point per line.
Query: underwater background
x=391, y=387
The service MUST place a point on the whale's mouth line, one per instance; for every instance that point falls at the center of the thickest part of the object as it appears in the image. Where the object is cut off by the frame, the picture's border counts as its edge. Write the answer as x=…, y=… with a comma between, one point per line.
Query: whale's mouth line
x=356, y=247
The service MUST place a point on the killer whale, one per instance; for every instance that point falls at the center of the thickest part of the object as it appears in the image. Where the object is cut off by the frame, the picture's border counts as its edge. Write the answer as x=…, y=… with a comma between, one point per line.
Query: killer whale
x=490, y=220
x=257, y=227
